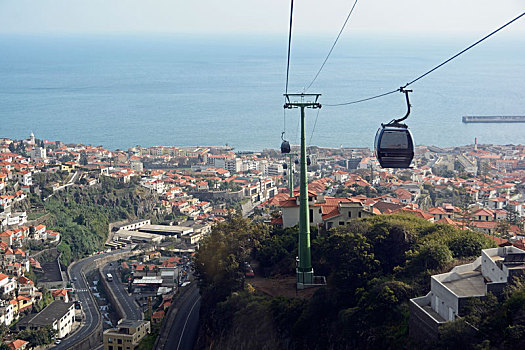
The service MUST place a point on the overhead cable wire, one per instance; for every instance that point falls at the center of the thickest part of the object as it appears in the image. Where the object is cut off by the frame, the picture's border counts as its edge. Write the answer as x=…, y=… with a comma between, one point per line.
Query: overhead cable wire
x=362, y=100
x=288, y=61
x=465, y=50
x=315, y=123
x=333, y=46
x=289, y=46
x=433, y=69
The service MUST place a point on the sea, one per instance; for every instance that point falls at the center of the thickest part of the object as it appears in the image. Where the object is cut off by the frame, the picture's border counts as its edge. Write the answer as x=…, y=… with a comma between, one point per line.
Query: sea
x=123, y=90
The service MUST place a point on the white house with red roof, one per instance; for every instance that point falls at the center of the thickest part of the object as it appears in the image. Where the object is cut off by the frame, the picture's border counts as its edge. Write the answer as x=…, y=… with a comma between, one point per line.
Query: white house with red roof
x=60, y=294
x=18, y=344
x=440, y=213
x=7, y=237
x=483, y=214
x=7, y=284
x=26, y=286
x=24, y=178
x=52, y=236
x=497, y=203
x=39, y=232
x=327, y=212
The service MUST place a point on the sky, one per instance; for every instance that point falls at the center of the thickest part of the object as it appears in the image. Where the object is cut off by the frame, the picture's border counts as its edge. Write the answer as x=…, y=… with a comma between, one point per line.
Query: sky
x=255, y=17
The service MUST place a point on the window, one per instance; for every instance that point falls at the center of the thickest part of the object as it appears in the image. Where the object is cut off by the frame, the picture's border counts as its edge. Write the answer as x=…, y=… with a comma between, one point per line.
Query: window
x=119, y=341
x=311, y=215
x=394, y=140
x=359, y=214
x=349, y=214
x=341, y=223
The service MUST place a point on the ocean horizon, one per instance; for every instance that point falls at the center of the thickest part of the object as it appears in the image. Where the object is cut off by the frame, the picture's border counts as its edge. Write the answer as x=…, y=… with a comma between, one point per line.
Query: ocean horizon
x=119, y=91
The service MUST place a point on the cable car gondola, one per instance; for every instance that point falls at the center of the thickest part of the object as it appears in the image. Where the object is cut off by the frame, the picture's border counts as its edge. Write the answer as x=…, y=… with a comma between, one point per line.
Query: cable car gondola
x=394, y=146
x=285, y=145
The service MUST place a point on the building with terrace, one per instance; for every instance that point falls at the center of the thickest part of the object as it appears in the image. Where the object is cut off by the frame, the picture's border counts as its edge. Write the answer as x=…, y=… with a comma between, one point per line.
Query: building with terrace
x=450, y=292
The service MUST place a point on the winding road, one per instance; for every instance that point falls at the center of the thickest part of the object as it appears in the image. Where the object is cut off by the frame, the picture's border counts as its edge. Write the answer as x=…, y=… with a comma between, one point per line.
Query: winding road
x=92, y=316
x=131, y=310
x=183, y=331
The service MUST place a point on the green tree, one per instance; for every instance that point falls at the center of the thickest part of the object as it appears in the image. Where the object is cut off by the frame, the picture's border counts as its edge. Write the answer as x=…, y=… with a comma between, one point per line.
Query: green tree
x=347, y=258
x=83, y=158
x=503, y=228
x=219, y=262
x=38, y=337
x=431, y=256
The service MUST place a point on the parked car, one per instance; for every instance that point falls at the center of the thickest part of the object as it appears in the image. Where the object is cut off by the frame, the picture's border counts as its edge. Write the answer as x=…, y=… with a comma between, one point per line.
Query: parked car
x=249, y=273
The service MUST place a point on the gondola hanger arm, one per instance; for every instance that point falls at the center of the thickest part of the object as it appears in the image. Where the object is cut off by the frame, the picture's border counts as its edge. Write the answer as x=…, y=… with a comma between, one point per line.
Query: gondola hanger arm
x=405, y=91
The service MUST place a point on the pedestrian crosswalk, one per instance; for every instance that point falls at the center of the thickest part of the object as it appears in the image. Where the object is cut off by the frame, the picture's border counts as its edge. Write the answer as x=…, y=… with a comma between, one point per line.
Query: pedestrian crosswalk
x=81, y=290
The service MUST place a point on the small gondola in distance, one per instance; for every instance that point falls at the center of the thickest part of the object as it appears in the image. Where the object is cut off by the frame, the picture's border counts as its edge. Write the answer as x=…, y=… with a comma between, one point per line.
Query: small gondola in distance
x=285, y=145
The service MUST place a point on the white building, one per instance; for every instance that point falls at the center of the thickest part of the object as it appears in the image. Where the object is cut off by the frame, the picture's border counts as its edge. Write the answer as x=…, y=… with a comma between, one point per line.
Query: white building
x=38, y=153
x=24, y=178
x=7, y=313
x=59, y=315
x=7, y=284
x=450, y=291
x=327, y=212
x=275, y=169
x=136, y=165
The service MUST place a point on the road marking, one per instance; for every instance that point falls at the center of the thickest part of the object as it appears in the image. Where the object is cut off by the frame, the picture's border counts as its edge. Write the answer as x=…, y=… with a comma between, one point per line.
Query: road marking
x=187, y=318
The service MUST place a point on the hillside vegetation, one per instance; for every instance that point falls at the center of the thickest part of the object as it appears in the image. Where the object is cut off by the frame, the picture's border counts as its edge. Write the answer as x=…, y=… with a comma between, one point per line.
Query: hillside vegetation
x=373, y=267
x=82, y=215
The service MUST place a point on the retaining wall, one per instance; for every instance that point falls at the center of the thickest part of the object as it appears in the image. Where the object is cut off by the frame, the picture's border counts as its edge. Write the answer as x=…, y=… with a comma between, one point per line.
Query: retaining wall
x=94, y=339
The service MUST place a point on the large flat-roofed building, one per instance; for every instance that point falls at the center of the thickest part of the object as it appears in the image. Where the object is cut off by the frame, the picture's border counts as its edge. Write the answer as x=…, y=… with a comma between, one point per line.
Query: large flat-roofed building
x=127, y=335
x=59, y=315
x=166, y=230
x=133, y=225
x=489, y=273
x=138, y=237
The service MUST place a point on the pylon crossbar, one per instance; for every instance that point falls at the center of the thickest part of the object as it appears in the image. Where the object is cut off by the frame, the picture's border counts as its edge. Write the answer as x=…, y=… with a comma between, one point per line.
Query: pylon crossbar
x=306, y=101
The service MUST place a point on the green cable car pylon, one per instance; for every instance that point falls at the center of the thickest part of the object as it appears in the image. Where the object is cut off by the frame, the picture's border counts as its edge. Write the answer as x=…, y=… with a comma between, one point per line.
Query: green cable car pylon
x=305, y=272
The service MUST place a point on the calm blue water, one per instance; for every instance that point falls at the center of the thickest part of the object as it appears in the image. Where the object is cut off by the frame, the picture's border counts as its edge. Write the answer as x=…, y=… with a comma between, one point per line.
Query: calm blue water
x=121, y=91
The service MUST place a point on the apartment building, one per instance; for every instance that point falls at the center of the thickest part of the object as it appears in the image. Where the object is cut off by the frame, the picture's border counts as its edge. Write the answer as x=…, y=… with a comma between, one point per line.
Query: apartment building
x=127, y=335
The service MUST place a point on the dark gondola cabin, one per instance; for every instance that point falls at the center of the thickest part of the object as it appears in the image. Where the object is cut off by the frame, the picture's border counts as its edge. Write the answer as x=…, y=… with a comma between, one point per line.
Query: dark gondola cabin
x=285, y=147
x=394, y=146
